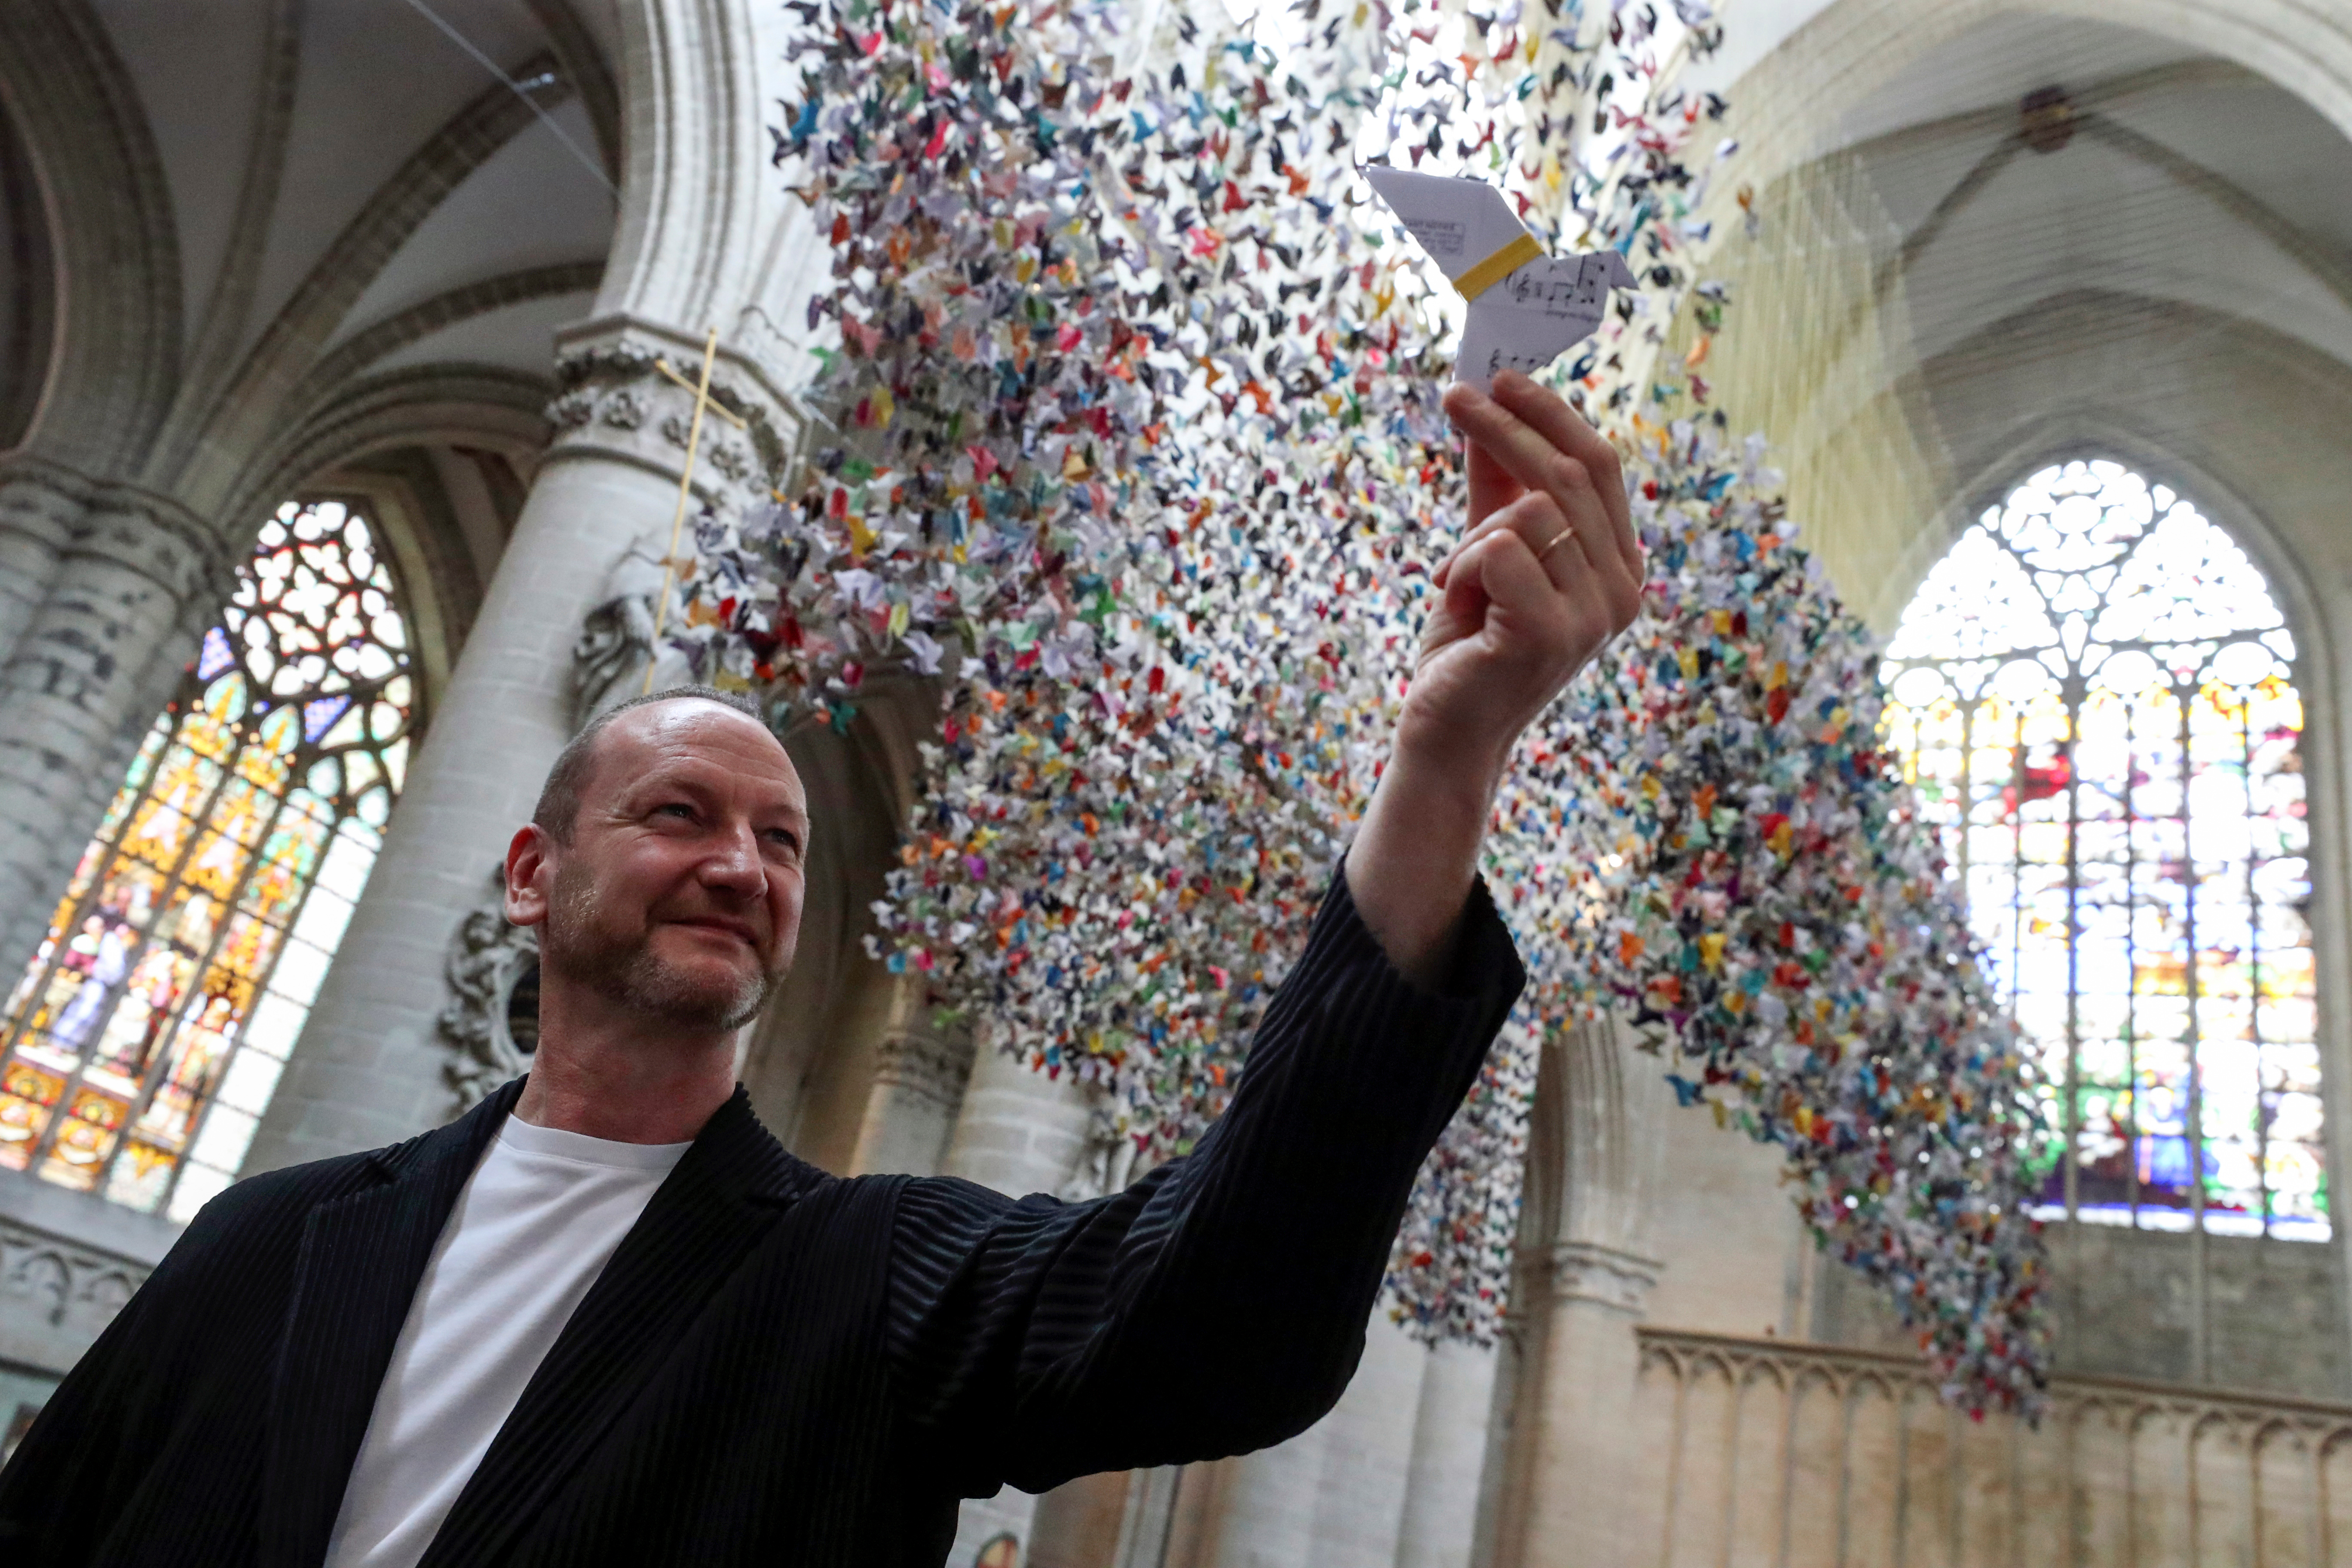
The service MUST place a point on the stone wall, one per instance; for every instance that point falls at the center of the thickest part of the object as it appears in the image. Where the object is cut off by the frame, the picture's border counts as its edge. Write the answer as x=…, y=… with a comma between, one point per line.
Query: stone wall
x=68, y=1263
x=1757, y=1451
x=2122, y=1306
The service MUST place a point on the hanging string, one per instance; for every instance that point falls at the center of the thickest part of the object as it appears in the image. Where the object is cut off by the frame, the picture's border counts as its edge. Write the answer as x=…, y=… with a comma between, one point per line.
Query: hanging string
x=491, y=66
x=684, y=494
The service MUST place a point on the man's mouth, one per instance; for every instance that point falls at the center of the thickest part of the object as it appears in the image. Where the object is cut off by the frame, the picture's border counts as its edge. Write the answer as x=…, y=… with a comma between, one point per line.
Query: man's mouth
x=740, y=931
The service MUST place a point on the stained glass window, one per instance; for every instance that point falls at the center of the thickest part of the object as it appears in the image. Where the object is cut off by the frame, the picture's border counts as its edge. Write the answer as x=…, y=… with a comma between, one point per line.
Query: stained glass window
x=2094, y=693
x=145, y=1038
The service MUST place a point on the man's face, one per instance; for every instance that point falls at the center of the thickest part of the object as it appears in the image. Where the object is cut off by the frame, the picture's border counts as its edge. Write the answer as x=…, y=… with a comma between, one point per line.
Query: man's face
x=678, y=895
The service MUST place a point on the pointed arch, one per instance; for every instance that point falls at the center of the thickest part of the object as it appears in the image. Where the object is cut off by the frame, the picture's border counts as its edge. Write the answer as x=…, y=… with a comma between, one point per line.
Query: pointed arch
x=142, y=1044
x=2118, y=781
x=110, y=220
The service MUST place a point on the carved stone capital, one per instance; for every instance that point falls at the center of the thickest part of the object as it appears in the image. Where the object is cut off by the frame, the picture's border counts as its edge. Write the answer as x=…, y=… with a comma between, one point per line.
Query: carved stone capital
x=617, y=401
x=924, y=1067
x=1585, y=1271
x=491, y=1025
x=43, y=502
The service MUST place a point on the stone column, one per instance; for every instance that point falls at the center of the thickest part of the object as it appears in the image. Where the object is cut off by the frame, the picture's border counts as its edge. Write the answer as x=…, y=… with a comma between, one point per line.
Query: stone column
x=40, y=504
x=700, y=81
x=369, y=1068
x=1148, y=1519
x=1580, y=1478
x=1017, y=1130
x=920, y=1075
x=1449, y=1458
x=1564, y=1480
x=1020, y=1132
x=1336, y=1496
x=132, y=580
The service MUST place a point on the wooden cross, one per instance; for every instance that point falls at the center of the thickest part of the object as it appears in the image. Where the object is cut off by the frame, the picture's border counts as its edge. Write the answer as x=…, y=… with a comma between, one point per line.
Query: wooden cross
x=702, y=403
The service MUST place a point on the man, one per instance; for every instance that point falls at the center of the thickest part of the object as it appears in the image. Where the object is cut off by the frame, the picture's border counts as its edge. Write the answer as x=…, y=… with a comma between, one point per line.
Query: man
x=604, y=1318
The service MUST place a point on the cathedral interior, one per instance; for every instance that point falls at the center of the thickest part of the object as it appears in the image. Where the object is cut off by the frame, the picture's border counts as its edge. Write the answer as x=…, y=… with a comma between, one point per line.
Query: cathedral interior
x=348, y=354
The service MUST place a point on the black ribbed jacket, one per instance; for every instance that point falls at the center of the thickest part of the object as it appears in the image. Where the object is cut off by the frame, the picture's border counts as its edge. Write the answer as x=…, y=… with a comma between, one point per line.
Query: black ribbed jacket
x=778, y=1367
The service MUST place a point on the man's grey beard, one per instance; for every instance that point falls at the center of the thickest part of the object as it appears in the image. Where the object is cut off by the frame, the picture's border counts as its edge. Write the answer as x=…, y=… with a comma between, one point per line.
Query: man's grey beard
x=631, y=974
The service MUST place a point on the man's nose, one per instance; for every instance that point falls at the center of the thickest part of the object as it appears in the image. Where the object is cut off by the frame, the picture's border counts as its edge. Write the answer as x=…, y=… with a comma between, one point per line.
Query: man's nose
x=734, y=863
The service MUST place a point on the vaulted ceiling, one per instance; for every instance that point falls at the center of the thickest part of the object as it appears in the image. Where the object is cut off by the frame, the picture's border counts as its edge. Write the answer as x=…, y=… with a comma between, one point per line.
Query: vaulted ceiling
x=2079, y=218
x=2177, y=175
x=327, y=193
x=364, y=111
x=344, y=232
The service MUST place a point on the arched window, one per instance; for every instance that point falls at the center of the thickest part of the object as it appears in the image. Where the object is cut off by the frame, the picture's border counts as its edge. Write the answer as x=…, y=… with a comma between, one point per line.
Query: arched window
x=2094, y=691
x=146, y=1037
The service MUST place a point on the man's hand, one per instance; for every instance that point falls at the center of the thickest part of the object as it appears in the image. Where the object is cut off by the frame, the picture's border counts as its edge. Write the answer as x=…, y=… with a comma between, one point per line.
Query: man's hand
x=1547, y=572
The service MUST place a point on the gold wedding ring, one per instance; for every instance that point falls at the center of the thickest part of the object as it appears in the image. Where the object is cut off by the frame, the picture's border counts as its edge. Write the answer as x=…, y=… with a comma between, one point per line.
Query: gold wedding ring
x=1562, y=537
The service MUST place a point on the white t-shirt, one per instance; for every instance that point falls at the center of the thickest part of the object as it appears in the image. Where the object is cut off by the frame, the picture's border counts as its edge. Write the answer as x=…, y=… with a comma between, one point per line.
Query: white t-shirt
x=537, y=1221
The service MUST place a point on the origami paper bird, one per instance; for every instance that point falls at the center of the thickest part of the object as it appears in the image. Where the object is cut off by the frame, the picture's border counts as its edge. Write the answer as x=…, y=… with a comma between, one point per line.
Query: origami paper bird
x=1526, y=309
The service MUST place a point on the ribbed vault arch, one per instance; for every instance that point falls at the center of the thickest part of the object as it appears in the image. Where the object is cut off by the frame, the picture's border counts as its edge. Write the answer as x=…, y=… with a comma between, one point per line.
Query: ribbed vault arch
x=87, y=142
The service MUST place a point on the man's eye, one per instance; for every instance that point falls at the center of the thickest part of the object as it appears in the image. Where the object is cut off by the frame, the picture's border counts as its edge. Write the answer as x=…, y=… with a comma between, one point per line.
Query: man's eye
x=675, y=807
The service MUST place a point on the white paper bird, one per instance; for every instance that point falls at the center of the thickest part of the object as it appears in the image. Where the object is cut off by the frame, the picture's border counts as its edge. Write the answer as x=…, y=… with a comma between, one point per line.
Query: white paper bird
x=1526, y=309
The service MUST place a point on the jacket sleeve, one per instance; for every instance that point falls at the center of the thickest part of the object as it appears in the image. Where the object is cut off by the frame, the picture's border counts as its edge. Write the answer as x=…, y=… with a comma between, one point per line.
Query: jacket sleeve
x=63, y=1475
x=86, y=1449
x=1220, y=1303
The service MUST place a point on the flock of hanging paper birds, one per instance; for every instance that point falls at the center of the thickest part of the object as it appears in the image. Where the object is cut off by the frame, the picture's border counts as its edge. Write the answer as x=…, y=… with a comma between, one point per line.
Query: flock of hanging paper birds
x=1131, y=441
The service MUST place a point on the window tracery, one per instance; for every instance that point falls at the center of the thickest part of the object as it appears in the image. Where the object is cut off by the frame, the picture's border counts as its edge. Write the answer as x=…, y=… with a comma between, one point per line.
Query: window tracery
x=2093, y=692
x=145, y=1038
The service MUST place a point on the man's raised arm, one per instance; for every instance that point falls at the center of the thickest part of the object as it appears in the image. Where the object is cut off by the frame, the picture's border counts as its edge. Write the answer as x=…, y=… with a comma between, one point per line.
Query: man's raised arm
x=1548, y=570
x=1219, y=1304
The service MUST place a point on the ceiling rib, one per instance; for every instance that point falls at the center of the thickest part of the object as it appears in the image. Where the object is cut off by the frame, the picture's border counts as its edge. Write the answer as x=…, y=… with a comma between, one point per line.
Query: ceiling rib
x=223, y=323
x=355, y=354
x=340, y=276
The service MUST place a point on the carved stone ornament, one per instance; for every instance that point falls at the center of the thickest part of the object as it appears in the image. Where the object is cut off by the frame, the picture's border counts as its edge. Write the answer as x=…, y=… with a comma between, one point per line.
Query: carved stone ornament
x=492, y=1026
x=924, y=1067
x=1581, y=1271
x=733, y=460
x=571, y=410
x=616, y=383
x=1108, y=1160
x=616, y=635
x=622, y=409
x=60, y=1284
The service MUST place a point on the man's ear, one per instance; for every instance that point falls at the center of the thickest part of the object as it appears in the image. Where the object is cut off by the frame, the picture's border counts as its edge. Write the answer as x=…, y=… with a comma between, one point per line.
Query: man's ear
x=530, y=871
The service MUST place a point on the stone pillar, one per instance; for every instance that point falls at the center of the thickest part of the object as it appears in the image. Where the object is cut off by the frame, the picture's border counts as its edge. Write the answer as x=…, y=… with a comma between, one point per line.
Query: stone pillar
x=1020, y=1132
x=1449, y=1458
x=1337, y=1495
x=369, y=1068
x=700, y=79
x=1017, y=1130
x=1580, y=1477
x=1148, y=1519
x=40, y=504
x=1265, y=1516
x=131, y=582
x=920, y=1075
x=1561, y=1489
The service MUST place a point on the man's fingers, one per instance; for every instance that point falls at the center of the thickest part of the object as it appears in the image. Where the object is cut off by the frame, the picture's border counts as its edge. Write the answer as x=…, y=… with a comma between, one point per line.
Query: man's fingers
x=1491, y=486
x=1537, y=519
x=1550, y=537
x=1519, y=584
x=1518, y=447
x=1531, y=457
x=1548, y=415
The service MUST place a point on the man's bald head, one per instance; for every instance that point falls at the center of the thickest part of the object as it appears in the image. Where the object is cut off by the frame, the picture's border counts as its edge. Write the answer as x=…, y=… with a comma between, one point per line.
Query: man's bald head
x=664, y=866
x=558, y=810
